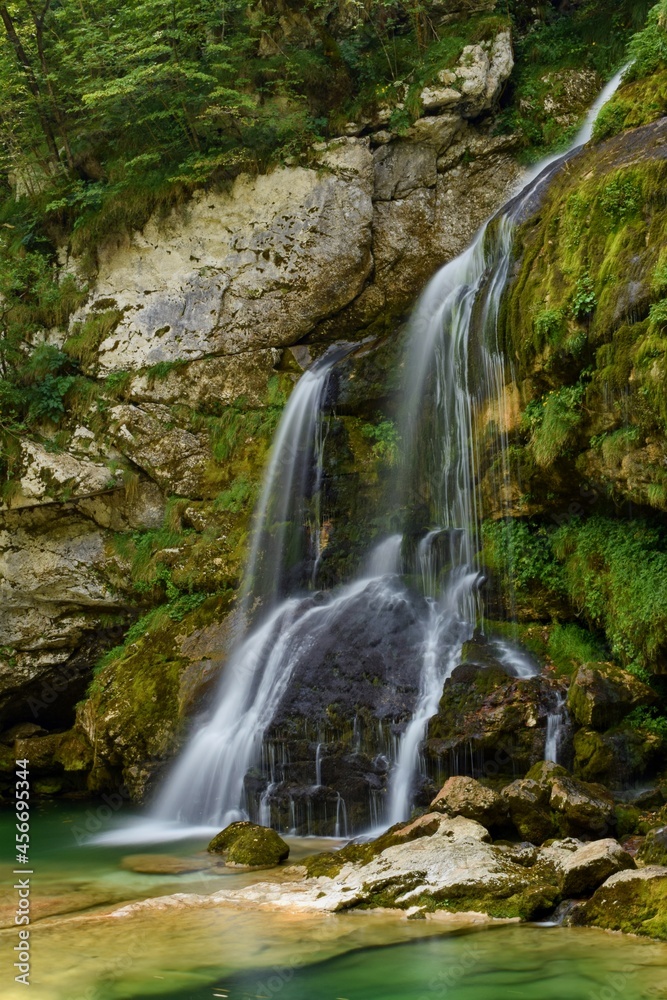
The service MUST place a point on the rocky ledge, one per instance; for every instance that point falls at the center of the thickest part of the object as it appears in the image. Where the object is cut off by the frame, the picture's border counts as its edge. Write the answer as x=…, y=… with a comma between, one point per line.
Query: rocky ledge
x=446, y=862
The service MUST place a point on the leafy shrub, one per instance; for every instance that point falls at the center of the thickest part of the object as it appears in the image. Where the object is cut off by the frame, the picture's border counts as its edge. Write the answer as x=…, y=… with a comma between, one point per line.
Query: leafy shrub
x=616, y=574
x=521, y=551
x=648, y=48
x=622, y=197
x=385, y=439
x=583, y=300
x=549, y=325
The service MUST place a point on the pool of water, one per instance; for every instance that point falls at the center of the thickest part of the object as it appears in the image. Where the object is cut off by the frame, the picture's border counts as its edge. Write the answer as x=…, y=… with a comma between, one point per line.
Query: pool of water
x=188, y=951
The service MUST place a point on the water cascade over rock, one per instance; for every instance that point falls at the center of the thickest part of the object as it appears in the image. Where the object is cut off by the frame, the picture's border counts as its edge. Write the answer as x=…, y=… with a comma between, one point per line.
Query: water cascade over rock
x=397, y=631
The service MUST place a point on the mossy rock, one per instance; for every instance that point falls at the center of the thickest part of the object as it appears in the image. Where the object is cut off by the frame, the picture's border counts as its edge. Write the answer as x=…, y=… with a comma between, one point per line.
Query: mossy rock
x=601, y=694
x=247, y=845
x=631, y=901
x=654, y=849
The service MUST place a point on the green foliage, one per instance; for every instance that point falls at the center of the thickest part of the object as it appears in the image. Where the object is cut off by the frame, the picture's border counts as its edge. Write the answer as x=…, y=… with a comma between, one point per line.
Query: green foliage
x=385, y=438
x=237, y=497
x=659, y=277
x=648, y=48
x=658, y=315
x=570, y=646
x=651, y=719
x=549, y=326
x=522, y=552
x=584, y=300
x=616, y=574
x=554, y=421
x=611, y=119
x=87, y=336
x=622, y=196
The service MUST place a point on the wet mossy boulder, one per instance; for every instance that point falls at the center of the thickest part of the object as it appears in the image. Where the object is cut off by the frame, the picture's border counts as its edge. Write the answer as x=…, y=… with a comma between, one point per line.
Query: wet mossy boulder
x=617, y=756
x=247, y=845
x=654, y=849
x=461, y=796
x=488, y=714
x=630, y=901
x=601, y=694
x=549, y=801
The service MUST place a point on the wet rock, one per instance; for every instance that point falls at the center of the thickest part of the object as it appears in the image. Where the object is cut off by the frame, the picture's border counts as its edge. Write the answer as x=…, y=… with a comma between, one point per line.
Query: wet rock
x=528, y=805
x=455, y=869
x=581, y=868
x=654, y=849
x=247, y=845
x=582, y=807
x=630, y=901
x=162, y=864
x=461, y=796
x=601, y=694
x=549, y=800
x=616, y=757
x=489, y=721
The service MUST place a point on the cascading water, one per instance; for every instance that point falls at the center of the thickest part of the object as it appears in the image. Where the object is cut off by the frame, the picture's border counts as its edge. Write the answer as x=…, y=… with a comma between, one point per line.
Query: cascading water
x=454, y=340
x=555, y=728
x=456, y=372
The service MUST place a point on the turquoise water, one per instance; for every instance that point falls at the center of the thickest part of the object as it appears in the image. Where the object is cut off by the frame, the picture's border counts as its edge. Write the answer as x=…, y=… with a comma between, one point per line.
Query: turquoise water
x=194, y=952
x=518, y=962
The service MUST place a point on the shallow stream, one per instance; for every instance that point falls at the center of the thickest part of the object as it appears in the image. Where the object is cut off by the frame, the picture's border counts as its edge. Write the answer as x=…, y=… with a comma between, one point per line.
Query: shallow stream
x=180, y=952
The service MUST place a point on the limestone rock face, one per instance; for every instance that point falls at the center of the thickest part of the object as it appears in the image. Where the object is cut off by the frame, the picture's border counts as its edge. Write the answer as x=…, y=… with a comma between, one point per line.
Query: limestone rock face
x=477, y=81
x=583, y=867
x=257, y=267
x=548, y=800
x=461, y=796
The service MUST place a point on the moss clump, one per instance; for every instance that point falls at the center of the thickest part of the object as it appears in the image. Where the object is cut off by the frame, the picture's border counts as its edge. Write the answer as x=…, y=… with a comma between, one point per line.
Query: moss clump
x=245, y=844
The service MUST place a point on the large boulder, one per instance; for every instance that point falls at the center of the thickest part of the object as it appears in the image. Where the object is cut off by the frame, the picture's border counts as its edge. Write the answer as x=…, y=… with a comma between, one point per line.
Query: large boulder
x=528, y=805
x=616, y=757
x=247, y=845
x=461, y=796
x=488, y=714
x=601, y=694
x=631, y=901
x=549, y=800
x=476, y=82
x=581, y=868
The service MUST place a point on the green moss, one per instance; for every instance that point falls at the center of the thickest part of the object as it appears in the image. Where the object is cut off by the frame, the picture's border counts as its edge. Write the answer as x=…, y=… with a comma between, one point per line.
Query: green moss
x=570, y=646
x=247, y=844
x=635, y=906
x=87, y=336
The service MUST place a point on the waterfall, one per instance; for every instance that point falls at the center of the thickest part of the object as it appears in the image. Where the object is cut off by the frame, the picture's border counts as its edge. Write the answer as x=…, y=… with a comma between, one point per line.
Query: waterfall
x=454, y=345
x=318, y=766
x=455, y=375
x=555, y=727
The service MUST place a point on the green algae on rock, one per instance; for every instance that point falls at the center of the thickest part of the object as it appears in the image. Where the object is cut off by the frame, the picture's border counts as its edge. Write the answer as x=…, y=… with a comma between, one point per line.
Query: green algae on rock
x=247, y=845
